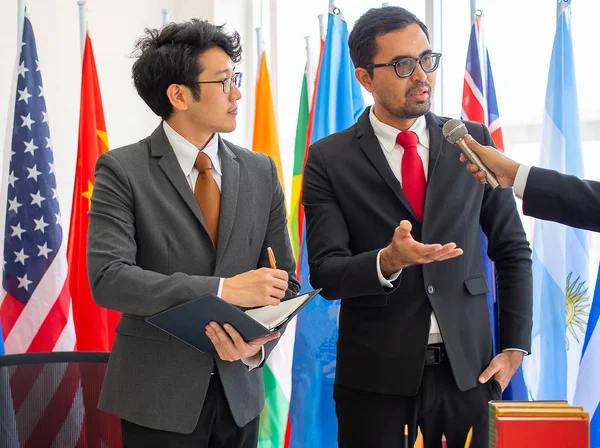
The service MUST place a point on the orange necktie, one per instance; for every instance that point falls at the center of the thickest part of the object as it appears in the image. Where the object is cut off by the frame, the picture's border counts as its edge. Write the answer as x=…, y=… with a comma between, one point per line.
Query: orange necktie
x=208, y=195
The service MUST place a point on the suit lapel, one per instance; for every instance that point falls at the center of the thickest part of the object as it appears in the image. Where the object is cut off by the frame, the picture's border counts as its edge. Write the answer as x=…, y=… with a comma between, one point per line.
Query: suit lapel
x=161, y=148
x=230, y=186
x=370, y=145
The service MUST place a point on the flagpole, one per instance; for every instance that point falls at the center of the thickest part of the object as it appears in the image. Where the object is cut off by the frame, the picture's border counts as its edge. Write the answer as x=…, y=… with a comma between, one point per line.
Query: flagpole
x=561, y=5
x=322, y=29
x=483, y=58
x=259, y=35
x=20, y=22
x=259, y=45
x=309, y=68
x=82, y=25
x=473, y=10
x=166, y=16
x=6, y=154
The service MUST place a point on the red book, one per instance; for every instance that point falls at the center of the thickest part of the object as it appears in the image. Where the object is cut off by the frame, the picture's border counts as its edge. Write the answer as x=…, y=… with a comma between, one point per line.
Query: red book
x=541, y=432
x=538, y=424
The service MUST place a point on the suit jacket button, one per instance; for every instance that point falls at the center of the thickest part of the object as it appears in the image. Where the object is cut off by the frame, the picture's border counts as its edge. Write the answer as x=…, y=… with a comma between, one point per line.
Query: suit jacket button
x=431, y=289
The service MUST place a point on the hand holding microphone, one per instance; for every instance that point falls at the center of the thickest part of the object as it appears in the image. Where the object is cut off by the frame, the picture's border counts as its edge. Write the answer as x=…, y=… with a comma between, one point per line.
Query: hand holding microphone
x=485, y=162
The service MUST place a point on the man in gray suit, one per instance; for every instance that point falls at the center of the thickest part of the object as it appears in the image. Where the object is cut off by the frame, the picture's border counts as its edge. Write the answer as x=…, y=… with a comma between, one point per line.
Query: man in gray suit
x=177, y=215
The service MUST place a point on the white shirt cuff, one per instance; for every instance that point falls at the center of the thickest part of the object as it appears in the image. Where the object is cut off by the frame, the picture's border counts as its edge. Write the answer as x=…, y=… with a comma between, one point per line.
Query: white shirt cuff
x=386, y=283
x=514, y=350
x=254, y=361
x=220, y=290
x=521, y=180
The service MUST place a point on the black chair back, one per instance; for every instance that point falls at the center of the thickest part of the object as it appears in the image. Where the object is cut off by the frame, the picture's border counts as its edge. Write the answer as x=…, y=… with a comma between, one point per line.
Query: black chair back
x=50, y=400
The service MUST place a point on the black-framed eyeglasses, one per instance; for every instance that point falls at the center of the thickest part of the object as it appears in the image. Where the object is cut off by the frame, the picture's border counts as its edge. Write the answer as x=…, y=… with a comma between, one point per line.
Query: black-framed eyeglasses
x=404, y=67
x=228, y=83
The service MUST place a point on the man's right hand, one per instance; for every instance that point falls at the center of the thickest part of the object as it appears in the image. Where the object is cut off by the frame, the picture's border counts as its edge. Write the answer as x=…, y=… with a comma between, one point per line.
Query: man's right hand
x=259, y=287
x=404, y=251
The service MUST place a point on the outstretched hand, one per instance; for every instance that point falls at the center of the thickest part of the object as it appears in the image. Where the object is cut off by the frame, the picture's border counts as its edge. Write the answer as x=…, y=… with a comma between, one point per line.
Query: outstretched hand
x=405, y=251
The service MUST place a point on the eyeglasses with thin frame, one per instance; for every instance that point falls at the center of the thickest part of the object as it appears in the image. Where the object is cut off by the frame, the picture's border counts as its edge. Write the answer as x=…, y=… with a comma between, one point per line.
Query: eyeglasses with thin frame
x=227, y=83
x=404, y=67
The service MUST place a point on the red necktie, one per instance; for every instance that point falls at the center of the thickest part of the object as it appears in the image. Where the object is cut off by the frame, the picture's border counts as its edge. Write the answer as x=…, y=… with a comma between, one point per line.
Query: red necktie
x=413, y=175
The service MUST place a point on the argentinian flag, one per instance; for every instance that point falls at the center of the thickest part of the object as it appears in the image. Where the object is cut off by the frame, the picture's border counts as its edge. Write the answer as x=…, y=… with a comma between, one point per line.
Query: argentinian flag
x=562, y=284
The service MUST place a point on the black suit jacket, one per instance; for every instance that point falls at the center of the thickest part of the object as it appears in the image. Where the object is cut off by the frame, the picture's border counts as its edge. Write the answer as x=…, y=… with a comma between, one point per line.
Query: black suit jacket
x=565, y=199
x=353, y=203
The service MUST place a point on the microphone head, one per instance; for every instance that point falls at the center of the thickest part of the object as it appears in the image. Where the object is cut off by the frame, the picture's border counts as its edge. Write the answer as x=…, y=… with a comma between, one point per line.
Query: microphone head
x=454, y=130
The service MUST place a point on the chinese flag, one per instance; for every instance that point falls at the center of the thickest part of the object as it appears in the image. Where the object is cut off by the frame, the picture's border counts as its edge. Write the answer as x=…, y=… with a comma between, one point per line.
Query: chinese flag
x=94, y=326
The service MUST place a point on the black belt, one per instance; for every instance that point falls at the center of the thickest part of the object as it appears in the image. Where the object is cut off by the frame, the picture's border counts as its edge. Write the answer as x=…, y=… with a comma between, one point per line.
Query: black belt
x=435, y=354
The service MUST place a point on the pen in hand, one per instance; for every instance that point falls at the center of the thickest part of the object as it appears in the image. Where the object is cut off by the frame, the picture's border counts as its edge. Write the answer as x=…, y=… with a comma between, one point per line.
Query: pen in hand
x=271, y=258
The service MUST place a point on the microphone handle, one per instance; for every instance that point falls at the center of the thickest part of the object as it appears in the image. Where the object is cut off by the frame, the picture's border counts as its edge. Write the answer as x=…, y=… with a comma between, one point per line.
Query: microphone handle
x=474, y=159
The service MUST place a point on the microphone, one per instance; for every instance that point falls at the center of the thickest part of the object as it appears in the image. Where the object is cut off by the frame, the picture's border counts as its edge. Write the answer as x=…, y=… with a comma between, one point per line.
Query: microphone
x=454, y=132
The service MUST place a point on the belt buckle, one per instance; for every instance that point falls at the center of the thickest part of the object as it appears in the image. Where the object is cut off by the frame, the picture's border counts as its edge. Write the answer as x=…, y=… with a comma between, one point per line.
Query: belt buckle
x=434, y=354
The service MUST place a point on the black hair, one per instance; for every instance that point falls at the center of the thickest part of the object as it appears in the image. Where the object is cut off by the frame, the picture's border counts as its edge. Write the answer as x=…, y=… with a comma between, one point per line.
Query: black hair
x=170, y=56
x=377, y=22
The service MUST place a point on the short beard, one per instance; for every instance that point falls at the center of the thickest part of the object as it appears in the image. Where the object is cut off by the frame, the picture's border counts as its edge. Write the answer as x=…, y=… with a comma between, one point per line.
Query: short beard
x=412, y=111
x=409, y=111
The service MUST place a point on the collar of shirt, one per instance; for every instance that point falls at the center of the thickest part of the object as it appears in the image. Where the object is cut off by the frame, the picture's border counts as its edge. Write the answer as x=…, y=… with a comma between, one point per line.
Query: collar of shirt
x=186, y=152
x=387, y=134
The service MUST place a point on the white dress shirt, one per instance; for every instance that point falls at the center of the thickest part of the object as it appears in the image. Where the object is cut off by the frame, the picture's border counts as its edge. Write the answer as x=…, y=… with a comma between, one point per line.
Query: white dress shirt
x=521, y=180
x=186, y=154
x=386, y=135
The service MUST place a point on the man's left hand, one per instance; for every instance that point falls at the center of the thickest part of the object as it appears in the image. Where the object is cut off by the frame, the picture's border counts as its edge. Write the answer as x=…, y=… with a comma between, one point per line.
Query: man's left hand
x=502, y=367
x=230, y=345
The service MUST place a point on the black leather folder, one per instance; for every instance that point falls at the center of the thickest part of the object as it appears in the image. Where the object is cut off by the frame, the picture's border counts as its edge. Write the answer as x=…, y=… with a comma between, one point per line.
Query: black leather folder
x=187, y=321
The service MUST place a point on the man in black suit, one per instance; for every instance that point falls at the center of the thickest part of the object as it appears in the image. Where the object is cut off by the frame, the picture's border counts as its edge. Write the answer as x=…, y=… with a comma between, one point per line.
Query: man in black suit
x=546, y=194
x=415, y=345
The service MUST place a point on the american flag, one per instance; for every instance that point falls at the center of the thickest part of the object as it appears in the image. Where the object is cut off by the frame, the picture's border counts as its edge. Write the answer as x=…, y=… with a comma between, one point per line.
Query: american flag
x=35, y=305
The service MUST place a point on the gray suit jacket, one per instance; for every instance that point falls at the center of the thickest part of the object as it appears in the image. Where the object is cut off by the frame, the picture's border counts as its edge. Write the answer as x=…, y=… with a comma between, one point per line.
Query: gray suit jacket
x=149, y=249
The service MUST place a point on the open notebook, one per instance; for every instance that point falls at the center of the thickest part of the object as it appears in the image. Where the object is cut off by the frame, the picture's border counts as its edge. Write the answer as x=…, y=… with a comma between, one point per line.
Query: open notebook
x=187, y=321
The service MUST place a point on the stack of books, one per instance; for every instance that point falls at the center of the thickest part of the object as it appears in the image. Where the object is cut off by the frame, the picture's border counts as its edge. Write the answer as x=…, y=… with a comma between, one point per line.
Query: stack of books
x=533, y=424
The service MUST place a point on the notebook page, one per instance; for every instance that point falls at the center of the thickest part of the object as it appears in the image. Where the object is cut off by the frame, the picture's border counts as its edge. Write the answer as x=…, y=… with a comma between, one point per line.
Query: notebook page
x=272, y=316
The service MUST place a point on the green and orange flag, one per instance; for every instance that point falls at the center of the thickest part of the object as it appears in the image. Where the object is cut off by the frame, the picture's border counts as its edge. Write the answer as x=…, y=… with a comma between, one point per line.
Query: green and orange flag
x=299, y=150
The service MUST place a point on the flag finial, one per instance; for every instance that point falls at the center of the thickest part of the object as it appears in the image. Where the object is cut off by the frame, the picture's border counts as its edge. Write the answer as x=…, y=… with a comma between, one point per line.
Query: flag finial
x=561, y=6
x=336, y=11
